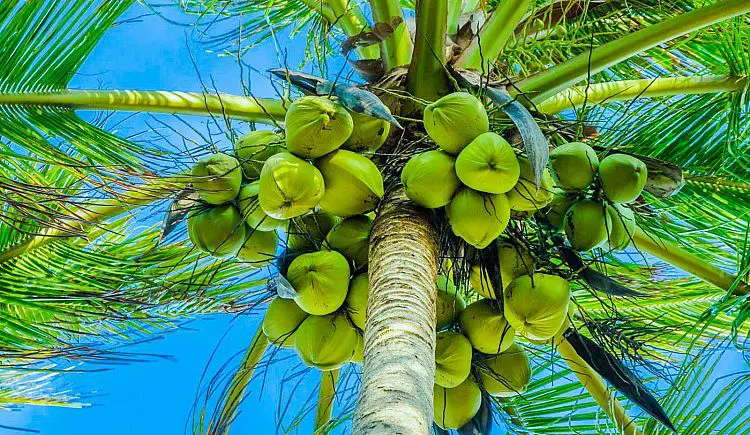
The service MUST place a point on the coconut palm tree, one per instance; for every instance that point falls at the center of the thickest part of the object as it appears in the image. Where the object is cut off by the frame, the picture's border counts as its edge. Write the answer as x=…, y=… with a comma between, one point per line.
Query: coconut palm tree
x=665, y=83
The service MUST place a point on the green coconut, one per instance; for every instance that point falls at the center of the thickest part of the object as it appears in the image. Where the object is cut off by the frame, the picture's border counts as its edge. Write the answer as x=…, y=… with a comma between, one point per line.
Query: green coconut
x=561, y=202
x=488, y=164
x=218, y=178
x=356, y=300
x=315, y=126
x=537, y=306
x=506, y=374
x=455, y=407
x=321, y=280
x=289, y=186
x=478, y=218
x=430, y=179
x=353, y=183
x=254, y=216
x=574, y=165
x=586, y=223
x=622, y=226
x=622, y=177
x=524, y=196
x=351, y=237
x=254, y=148
x=485, y=326
x=369, y=134
x=455, y=120
x=326, y=342
x=514, y=260
x=259, y=247
x=281, y=321
x=449, y=303
x=452, y=359
x=359, y=350
x=218, y=230
x=307, y=233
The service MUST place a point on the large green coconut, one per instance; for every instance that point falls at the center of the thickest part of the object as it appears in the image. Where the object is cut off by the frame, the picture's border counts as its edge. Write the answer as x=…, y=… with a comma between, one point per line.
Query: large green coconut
x=289, y=186
x=478, y=218
x=254, y=216
x=586, y=223
x=430, y=178
x=351, y=237
x=455, y=407
x=622, y=177
x=259, y=247
x=506, y=374
x=485, y=326
x=254, y=148
x=321, y=280
x=326, y=342
x=307, y=233
x=536, y=306
x=574, y=165
x=217, y=178
x=353, y=183
x=455, y=120
x=315, y=126
x=514, y=260
x=524, y=196
x=561, y=202
x=356, y=300
x=452, y=359
x=281, y=321
x=218, y=230
x=488, y=164
x=369, y=134
x=449, y=303
x=623, y=226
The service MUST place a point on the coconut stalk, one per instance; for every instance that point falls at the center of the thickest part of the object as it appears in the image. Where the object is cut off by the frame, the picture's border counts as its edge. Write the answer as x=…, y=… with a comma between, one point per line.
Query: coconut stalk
x=625, y=90
x=348, y=17
x=427, y=78
x=399, y=350
x=326, y=397
x=547, y=83
x=396, y=49
x=597, y=388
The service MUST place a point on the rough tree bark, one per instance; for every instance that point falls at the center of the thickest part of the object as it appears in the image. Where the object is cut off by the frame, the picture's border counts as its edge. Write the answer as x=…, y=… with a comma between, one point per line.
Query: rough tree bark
x=399, y=353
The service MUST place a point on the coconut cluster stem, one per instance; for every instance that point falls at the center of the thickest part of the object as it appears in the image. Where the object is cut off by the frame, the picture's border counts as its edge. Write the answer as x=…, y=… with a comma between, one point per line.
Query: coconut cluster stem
x=326, y=397
x=396, y=48
x=427, y=78
x=551, y=81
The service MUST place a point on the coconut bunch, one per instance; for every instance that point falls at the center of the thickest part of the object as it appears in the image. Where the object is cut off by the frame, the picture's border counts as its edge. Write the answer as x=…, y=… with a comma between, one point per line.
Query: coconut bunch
x=590, y=203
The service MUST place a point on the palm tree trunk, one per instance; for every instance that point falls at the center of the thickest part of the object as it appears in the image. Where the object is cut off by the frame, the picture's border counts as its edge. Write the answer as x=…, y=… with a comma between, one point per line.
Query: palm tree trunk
x=399, y=353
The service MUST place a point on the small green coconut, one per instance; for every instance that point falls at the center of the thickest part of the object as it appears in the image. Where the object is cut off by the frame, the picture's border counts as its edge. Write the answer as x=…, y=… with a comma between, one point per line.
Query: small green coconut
x=307, y=233
x=281, y=321
x=524, y=196
x=455, y=120
x=217, y=178
x=218, y=230
x=622, y=177
x=356, y=300
x=289, y=186
x=449, y=303
x=536, y=306
x=315, y=126
x=485, y=326
x=351, y=237
x=574, y=165
x=586, y=223
x=326, y=342
x=452, y=359
x=259, y=247
x=321, y=280
x=430, y=179
x=254, y=148
x=353, y=183
x=623, y=226
x=359, y=351
x=369, y=134
x=478, y=218
x=488, y=164
x=254, y=216
x=561, y=202
x=514, y=260
x=455, y=407
x=506, y=374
